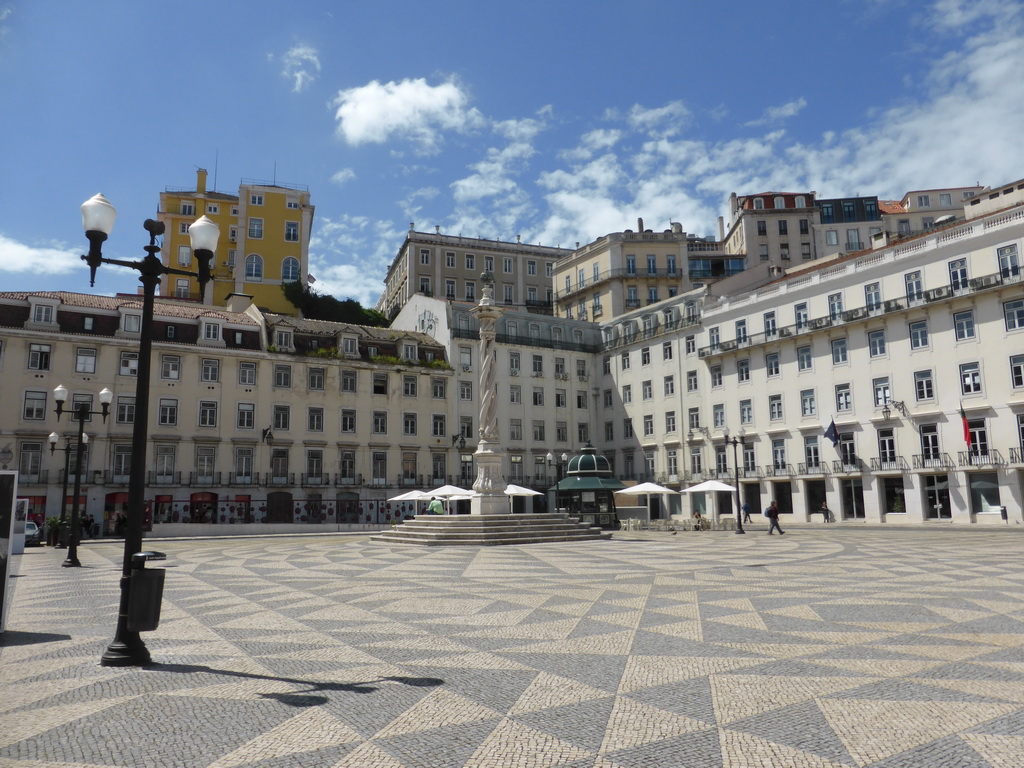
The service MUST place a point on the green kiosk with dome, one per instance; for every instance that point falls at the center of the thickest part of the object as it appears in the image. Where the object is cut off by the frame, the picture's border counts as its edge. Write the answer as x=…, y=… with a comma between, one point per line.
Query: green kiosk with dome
x=587, y=490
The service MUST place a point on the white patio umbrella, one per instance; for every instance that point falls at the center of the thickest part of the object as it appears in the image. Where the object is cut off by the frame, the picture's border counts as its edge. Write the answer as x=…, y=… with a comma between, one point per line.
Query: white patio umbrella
x=450, y=493
x=446, y=491
x=517, y=490
x=411, y=496
x=710, y=486
x=645, y=489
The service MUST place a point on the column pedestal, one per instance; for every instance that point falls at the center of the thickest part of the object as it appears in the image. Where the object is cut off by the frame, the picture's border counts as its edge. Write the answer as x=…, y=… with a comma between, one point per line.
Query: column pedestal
x=489, y=484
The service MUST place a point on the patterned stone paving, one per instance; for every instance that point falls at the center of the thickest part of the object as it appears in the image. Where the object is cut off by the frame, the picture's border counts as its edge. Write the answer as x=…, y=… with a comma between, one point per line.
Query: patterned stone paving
x=830, y=647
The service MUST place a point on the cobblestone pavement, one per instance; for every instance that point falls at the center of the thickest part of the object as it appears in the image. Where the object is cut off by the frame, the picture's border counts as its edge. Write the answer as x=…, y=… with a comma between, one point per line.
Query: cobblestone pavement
x=827, y=647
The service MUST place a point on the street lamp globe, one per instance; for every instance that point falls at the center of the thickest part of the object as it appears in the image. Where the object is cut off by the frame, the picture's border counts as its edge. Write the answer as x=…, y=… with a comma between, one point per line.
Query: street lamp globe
x=60, y=393
x=204, y=234
x=98, y=215
x=106, y=396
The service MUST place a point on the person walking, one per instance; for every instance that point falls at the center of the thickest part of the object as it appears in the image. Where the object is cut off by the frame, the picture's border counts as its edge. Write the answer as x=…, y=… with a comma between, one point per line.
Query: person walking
x=435, y=507
x=746, y=513
x=772, y=513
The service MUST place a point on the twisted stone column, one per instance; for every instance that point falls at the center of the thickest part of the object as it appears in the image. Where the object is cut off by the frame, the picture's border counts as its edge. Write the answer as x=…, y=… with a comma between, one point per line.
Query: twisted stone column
x=490, y=483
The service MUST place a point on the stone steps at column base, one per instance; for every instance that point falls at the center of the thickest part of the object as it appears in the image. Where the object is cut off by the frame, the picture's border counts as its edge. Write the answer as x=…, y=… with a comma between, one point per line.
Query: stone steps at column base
x=487, y=530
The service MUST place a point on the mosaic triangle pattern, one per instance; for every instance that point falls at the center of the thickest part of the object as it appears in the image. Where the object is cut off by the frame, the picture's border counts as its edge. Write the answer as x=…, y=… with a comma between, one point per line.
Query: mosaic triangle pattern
x=870, y=648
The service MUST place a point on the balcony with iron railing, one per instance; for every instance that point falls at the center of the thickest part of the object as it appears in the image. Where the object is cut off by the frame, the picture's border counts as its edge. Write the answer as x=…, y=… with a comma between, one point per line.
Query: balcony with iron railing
x=198, y=480
x=244, y=479
x=672, y=324
x=286, y=478
x=39, y=477
x=315, y=478
x=163, y=478
x=115, y=478
x=813, y=468
x=932, y=461
x=889, y=464
x=890, y=306
x=977, y=458
x=848, y=466
x=778, y=470
x=1017, y=455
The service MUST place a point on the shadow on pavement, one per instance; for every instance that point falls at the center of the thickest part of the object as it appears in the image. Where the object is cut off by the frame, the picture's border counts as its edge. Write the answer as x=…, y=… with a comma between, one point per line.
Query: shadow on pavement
x=299, y=698
x=10, y=638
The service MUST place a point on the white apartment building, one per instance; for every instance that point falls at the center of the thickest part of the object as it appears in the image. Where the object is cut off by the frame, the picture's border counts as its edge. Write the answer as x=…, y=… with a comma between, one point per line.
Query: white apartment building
x=449, y=267
x=546, y=385
x=832, y=341
x=256, y=419
x=771, y=226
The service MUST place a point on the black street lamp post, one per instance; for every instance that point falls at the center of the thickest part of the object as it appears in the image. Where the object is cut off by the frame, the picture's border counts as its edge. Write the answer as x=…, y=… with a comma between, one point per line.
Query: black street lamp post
x=80, y=413
x=736, y=441
x=63, y=531
x=559, y=463
x=127, y=648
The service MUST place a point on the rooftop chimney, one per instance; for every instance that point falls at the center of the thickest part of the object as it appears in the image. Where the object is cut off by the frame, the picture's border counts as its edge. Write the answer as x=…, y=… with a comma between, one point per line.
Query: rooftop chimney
x=201, y=180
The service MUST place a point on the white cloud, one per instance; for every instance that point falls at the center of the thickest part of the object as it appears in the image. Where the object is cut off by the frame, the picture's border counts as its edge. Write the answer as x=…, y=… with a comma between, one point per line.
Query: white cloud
x=343, y=176
x=659, y=121
x=962, y=128
x=301, y=65
x=349, y=256
x=782, y=112
x=51, y=259
x=411, y=109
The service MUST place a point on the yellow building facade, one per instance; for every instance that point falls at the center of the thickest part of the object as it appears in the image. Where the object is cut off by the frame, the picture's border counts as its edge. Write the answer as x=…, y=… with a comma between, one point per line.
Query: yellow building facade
x=264, y=240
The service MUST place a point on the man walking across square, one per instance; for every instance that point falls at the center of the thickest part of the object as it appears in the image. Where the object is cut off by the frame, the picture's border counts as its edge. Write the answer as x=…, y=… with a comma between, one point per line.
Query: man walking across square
x=772, y=513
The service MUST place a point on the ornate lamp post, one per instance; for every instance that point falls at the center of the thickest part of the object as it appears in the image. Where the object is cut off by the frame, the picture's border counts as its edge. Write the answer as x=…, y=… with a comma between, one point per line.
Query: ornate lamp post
x=735, y=441
x=98, y=215
x=81, y=414
x=559, y=463
x=68, y=449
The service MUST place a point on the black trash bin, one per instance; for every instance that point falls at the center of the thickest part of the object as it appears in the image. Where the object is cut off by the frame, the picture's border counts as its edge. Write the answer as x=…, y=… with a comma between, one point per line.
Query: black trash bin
x=145, y=592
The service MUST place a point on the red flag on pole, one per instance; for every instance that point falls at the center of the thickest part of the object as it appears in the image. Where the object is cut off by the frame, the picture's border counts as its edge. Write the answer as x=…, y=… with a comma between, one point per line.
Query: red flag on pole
x=967, y=429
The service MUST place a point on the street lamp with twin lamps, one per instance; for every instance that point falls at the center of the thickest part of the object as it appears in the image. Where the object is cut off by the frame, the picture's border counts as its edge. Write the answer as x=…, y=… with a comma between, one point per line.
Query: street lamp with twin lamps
x=735, y=441
x=63, y=530
x=98, y=215
x=559, y=466
x=80, y=412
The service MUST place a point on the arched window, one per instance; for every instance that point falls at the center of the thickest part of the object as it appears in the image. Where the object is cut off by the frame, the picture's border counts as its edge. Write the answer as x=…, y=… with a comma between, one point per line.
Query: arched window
x=253, y=267
x=779, y=202
x=758, y=204
x=799, y=202
x=290, y=270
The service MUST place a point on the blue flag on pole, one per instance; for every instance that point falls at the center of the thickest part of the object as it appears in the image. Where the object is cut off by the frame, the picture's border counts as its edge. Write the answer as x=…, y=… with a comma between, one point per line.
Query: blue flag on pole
x=832, y=433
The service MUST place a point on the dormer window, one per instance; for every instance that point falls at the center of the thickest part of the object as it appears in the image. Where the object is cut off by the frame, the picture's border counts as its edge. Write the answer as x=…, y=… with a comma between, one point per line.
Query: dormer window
x=283, y=339
x=211, y=331
x=409, y=352
x=43, y=313
x=758, y=204
x=131, y=323
x=349, y=346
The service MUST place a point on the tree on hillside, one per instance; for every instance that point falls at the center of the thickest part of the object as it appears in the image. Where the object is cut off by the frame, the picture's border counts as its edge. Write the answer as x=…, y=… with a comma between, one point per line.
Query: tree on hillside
x=316, y=306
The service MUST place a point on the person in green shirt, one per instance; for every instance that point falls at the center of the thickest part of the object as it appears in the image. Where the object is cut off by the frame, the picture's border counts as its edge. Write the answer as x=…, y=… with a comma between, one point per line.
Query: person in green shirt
x=435, y=507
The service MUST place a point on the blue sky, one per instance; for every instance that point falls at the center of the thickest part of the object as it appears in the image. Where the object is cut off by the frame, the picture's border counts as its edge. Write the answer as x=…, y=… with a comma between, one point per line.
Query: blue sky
x=559, y=121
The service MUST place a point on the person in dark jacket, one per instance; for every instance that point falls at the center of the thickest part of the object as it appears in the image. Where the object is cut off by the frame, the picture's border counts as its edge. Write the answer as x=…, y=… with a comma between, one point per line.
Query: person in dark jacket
x=772, y=513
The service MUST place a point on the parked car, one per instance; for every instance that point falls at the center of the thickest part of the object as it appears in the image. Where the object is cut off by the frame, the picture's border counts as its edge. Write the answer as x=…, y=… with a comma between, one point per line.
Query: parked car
x=33, y=534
